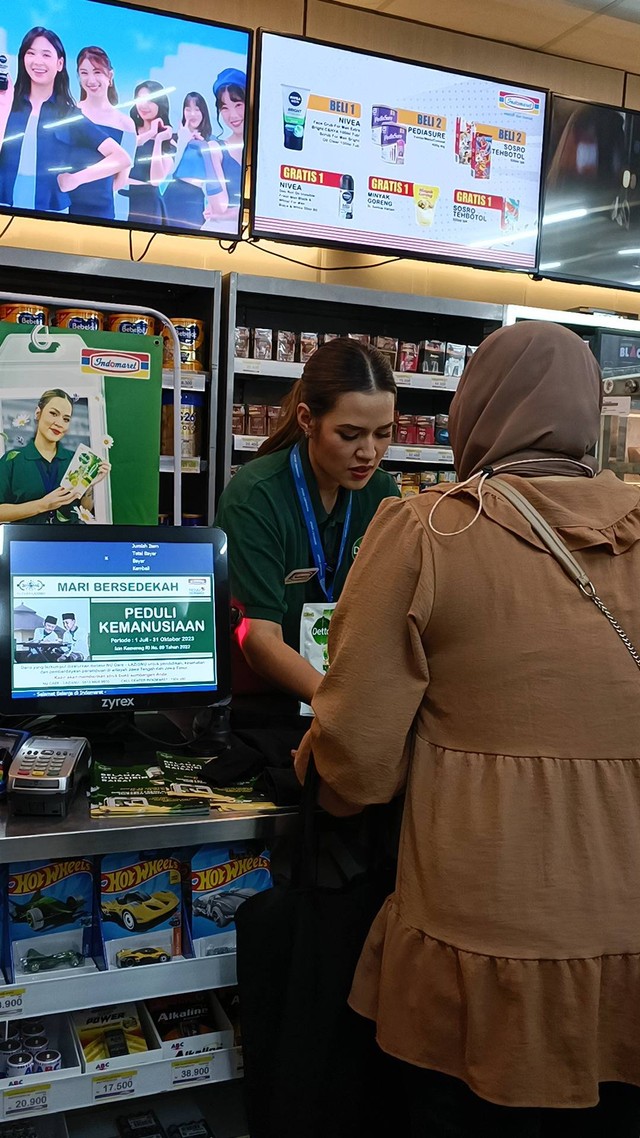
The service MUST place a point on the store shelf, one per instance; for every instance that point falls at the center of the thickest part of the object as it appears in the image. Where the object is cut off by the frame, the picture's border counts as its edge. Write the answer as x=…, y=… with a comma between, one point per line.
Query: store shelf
x=428, y=456
x=189, y=465
x=248, y=442
x=35, y=1096
x=418, y=381
x=71, y=990
x=65, y=837
x=220, y=1103
x=270, y=369
x=189, y=380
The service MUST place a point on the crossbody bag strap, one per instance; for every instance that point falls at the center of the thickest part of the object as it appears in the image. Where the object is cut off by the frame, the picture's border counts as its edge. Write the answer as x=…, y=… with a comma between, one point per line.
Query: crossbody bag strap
x=566, y=559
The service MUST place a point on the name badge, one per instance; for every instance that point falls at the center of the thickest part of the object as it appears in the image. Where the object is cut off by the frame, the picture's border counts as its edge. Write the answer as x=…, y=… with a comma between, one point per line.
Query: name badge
x=300, y=576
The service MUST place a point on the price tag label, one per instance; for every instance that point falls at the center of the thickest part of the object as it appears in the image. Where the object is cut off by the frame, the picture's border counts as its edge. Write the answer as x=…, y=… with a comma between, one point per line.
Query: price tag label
x=249, y=367
x=195, y=1069
x=402, y=379
x=11, y=1002
x=190, y=465
x=414, y=454
x=26, y=1100
x=440, y=384
x=118, y=1084
x=442, y=456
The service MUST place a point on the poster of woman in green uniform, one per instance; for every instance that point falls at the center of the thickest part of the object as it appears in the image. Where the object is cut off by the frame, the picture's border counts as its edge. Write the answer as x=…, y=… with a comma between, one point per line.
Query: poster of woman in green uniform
x=31, y=475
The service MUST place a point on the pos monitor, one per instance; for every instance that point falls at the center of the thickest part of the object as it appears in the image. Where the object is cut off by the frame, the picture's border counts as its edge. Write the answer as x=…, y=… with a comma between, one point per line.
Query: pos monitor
x=105, y=619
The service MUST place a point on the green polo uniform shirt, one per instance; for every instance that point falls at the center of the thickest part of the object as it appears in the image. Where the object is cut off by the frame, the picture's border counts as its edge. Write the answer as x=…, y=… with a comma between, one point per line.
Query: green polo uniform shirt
x=21, y=480
x=261, y=515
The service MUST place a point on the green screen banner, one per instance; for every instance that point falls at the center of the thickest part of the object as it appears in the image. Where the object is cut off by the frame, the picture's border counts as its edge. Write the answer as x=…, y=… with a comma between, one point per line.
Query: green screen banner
x=79, y=411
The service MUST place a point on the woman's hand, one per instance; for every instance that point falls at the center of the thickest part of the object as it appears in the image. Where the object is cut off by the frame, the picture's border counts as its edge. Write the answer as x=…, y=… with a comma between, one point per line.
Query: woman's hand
x=105, y=469
x=58, y=499
x=164, y=134
x=67, y=182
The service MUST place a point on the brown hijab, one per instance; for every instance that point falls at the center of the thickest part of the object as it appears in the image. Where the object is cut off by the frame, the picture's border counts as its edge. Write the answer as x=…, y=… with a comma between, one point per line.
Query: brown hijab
x=532, y=390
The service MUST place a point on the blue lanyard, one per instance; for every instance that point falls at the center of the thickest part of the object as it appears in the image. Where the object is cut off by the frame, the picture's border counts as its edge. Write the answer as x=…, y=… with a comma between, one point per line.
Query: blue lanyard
x=311, y=522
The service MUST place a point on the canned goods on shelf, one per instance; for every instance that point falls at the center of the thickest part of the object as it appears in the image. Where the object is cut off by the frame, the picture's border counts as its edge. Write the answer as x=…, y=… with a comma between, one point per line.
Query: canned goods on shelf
x=34, y=314
x=80, y=319
x=137, y=322
x=190, y=333
x=191, y=415
x=47, y=1060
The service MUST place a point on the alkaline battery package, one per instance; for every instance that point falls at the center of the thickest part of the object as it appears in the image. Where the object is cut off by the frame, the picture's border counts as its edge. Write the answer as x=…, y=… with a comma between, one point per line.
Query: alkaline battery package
x=222, y=878
x=50, y=916
x=140, y=902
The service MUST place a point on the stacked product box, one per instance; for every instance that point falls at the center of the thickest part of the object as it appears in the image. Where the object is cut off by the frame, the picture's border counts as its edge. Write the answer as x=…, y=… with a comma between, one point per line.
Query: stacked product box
x=255, y=419
x=140, y=907
x=190, y=1024
x=223, y=877
x=108, y=1038
x=49, y=918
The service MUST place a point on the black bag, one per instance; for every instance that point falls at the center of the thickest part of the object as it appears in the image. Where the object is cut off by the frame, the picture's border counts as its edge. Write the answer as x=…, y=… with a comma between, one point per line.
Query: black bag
x=312, y=1067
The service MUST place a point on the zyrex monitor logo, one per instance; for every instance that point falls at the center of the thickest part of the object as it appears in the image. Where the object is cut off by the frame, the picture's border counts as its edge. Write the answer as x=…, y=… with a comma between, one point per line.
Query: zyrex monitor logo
x=528, y=104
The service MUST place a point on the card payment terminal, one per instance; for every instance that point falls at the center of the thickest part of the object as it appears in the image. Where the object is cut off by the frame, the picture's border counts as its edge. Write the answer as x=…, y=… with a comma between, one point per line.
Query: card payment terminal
x=45, y=773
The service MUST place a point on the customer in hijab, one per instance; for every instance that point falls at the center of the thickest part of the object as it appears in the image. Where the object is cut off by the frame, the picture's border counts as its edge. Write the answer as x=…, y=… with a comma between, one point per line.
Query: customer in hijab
x=467, y=670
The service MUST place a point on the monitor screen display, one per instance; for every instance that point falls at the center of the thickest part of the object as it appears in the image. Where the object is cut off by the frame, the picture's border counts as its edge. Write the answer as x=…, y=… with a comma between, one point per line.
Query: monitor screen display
x=384, y=155
x=591, y=218
x=120, y=115
x=96, y=620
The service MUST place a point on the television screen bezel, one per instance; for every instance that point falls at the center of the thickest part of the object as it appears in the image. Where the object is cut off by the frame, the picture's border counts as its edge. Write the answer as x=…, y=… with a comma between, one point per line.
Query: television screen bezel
x=550, y=274
x=351, y=247
x=83, y=704
x=139, y=226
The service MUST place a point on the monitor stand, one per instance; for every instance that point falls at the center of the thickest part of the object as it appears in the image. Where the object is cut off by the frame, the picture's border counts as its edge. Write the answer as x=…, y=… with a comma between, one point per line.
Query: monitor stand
x=128, y=738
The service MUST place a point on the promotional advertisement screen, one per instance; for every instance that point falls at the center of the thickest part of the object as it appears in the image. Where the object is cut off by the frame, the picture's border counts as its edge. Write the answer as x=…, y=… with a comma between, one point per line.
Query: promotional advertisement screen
x=591, y=215
x=114, y=619
x=360, y=150
x=110, y=113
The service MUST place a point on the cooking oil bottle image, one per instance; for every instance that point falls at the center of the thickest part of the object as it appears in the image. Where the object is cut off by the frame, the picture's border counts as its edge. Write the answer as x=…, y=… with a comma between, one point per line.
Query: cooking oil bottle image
x=347, y=193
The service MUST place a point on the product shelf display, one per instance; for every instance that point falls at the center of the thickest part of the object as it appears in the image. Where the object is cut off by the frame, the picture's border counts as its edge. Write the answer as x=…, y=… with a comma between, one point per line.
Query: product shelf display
x=190, y=299
x=272, y=326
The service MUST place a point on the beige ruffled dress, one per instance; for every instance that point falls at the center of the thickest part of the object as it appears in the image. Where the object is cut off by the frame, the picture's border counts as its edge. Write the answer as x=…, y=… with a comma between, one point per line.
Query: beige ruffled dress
x=471, y=671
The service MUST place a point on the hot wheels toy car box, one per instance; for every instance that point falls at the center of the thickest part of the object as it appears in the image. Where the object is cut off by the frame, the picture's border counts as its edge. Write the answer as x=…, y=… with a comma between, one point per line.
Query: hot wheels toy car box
x=222, y=877
x=50, y=916
x=140, y=902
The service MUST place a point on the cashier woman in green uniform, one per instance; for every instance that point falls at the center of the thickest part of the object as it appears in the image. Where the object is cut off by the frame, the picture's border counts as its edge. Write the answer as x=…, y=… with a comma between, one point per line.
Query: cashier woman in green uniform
x=295, y=516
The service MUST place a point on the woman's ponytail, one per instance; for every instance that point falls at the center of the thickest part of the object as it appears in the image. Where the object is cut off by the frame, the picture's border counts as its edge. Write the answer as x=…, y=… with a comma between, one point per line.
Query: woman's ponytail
x=287, y=432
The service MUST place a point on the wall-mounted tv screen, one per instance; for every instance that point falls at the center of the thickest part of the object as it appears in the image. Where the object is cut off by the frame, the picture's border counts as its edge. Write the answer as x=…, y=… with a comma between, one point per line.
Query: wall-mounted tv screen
x=120, y=115
x=591, y=217
x=359, y=150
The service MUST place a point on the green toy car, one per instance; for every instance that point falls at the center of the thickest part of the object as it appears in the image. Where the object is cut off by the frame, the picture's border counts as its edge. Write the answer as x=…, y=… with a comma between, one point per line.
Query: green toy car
x=36, y=961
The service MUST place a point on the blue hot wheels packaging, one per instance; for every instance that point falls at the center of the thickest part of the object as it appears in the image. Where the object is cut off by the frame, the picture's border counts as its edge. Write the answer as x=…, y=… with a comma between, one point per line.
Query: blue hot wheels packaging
x=50, y=914
x=140, y=900
x=222, y=877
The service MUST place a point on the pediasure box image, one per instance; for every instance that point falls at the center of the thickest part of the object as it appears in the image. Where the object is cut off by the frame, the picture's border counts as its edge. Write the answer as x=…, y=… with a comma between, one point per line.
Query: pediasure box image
x=50, y=917
x=140, y=906
x=222, y=877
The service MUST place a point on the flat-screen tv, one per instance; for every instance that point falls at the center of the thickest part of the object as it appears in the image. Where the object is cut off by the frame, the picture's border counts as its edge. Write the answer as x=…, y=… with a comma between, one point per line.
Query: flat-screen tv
x=121, y=115
x=590, y=227
x=360, y=150
x=97, y=619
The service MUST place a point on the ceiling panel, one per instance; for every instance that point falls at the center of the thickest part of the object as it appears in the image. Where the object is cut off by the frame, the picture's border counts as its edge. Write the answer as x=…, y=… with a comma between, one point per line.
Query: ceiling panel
x=514, y=21
x=612, y=39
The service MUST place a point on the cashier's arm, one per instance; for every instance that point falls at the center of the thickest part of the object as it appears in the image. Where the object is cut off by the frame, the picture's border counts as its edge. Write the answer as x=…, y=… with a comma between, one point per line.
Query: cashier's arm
x=267, y=654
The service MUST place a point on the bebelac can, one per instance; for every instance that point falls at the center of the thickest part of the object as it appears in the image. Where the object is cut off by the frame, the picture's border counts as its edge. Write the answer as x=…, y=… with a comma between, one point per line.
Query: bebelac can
x=137, y=322
x=80, y=319
x=20, y=1063
x=34, y=314
x=191, y=412
x=48, y=1061
x=34, y=1043
x=190, y=333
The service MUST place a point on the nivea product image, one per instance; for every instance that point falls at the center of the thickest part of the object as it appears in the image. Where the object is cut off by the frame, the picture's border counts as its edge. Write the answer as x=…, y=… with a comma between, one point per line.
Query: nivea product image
x=345, y=204
x=294, y=113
